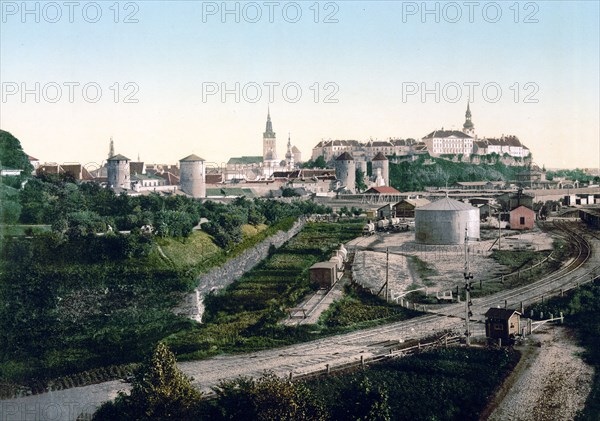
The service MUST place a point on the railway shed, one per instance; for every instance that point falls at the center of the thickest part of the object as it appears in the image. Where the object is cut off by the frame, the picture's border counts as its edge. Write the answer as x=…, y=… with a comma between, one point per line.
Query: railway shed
x=591, y=217
x=522, y=218
x=502, y=323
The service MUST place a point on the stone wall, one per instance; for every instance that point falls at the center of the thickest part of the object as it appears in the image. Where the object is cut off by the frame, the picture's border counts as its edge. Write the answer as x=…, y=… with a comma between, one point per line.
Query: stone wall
x=192, y=305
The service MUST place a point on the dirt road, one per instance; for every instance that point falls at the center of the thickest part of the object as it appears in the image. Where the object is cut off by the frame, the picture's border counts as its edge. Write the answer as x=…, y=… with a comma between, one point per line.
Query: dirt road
x=551, y=382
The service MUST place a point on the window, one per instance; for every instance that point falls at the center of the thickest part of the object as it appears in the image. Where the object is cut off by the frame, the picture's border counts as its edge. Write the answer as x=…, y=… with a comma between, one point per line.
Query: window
x=522, y=220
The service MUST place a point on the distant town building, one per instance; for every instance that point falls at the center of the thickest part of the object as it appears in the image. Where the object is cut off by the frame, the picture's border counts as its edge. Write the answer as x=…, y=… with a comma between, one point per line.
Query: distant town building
x=448, y=142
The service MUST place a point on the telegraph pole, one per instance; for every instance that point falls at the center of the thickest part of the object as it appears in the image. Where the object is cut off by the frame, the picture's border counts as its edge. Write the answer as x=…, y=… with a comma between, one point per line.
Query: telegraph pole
x=468, y=283
x=387, y=270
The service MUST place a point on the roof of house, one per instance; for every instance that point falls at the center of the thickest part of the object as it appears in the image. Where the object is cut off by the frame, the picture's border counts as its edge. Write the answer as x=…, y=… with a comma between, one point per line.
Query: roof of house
x=522, y=206
x=171, y=179
x=345, y=157
x=500, y=313
x=446, y=204
x=191, y=158
x=214, y=178
x=31, y=158
x=118, y=157
x=380, y=143
x=447, y=133
x=379, y=157
x=245, y=160
x=417, y=203
x=136, y=167
x=295, y=149
x=382, y=190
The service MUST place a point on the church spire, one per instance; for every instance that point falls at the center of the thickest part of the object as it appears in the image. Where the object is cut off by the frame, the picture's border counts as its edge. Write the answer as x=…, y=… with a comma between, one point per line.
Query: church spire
x=468, y=127
x=269, y=127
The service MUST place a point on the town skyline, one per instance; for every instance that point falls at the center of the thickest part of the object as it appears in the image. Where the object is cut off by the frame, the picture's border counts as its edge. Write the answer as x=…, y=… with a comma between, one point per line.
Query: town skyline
x=184, y=78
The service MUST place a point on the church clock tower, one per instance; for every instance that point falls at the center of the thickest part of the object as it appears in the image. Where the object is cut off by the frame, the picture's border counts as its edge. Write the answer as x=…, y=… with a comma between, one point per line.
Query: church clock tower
x=468, y=127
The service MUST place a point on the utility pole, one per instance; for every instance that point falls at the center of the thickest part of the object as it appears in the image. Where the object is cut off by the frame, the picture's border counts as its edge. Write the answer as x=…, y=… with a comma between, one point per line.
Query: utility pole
x=499, y=228
x=387, y=270
x=468, y=283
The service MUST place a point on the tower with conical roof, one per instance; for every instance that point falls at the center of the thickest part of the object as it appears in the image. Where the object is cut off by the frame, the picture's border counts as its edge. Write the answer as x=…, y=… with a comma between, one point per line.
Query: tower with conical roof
x=380, y=162
x=192, y=176
x=468, y=127
x=345, y=171
x=269, y=142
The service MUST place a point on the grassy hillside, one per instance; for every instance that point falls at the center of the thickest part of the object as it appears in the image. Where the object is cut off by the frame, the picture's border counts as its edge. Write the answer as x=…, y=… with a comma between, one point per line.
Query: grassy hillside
x=436, y=172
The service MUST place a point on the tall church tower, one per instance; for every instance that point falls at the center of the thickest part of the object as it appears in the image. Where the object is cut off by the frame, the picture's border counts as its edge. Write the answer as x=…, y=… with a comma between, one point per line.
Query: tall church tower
x=468, y=127
x=289, y=156
x=269, y=142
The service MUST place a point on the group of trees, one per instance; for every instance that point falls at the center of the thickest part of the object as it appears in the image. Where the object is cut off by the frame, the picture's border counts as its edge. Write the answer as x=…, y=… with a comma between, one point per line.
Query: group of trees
x=161, y=391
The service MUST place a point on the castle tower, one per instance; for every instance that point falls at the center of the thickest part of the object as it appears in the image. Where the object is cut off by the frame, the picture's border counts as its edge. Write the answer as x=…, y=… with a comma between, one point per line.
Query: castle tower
x=345, y=171
x=192, y=176
x=118, y=173
x=468, y=127
x=269, y=142
x=381, y=162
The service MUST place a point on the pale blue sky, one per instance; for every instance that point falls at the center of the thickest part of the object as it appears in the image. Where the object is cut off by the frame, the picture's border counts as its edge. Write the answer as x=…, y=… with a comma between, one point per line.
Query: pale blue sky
x=368, y=54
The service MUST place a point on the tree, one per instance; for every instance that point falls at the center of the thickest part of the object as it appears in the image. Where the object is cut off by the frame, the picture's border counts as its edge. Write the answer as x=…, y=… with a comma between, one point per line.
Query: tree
x=12, y=155
x=360, y=180
x=268, y=398
x=159, y=391
x=362, y=401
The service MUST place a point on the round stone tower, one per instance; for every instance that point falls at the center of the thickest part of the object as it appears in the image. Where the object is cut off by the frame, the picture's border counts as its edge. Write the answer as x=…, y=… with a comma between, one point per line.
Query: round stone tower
x=345, y=171
x=117, y=168
x=380, y=161
x=192, y=176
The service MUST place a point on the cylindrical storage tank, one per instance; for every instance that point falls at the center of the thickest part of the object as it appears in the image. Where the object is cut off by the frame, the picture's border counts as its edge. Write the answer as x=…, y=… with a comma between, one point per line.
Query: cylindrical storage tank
x=380, y=161
x=345, y=171
x=445, y=221
x=192, y=176
x=117, y=168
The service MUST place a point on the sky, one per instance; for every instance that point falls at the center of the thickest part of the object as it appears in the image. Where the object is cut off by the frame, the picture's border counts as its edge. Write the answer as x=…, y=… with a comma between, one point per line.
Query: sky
x=167, y=79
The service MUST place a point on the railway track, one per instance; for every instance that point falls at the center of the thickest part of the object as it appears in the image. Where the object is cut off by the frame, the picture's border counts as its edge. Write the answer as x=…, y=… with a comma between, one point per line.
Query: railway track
x=305, y=358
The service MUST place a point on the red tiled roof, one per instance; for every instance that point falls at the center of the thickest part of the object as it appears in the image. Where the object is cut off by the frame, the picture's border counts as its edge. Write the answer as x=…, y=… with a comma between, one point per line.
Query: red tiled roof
x=382, y=190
